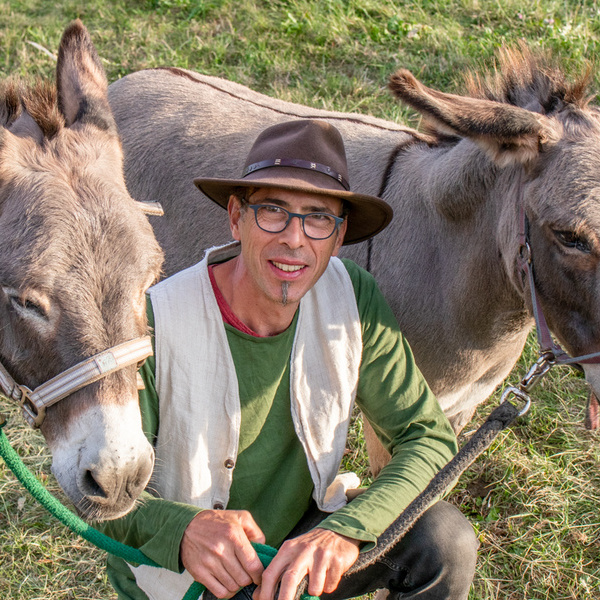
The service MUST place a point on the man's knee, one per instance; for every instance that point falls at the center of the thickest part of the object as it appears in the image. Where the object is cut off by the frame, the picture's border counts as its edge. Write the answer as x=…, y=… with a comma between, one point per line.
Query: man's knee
x=435, y=559
x=449, y=532
x=447, y=546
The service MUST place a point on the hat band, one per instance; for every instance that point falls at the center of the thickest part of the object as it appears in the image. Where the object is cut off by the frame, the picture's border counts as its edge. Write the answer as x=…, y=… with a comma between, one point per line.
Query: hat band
x=300, y=164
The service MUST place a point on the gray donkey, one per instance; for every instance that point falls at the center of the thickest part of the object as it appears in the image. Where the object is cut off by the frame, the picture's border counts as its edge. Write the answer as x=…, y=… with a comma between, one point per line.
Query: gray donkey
x=525, y=141
x=76, y=256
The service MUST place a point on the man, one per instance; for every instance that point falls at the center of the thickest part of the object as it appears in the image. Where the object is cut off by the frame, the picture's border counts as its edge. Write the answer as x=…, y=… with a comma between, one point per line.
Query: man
x=261, y=350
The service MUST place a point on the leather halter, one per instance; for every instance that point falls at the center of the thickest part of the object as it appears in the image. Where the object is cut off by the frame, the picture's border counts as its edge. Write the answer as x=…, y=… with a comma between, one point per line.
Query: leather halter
x=525, y=262
x=35, y=402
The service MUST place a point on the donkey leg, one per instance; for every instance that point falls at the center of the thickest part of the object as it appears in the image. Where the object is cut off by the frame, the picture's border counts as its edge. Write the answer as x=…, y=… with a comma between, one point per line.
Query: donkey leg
x=592, y=416
x=459, y=420
x=378, y=455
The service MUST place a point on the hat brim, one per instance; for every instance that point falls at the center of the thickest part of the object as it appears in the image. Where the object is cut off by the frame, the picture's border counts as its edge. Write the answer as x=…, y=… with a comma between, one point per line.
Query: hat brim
x=367, y=215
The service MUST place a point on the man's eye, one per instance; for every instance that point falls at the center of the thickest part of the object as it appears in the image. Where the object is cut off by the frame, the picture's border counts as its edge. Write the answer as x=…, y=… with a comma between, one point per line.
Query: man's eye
x=275, y=210
x=321, y=217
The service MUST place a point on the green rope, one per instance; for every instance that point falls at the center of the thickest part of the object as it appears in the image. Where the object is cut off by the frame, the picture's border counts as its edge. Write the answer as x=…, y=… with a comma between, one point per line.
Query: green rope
x=80, y=527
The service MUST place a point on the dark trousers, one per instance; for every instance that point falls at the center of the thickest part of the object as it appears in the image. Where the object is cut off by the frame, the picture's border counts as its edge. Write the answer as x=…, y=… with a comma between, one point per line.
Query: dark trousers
x=435, y=560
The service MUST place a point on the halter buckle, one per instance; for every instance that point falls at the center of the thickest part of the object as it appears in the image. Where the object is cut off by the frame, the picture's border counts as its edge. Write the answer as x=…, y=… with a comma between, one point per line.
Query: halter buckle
x=525, y=253
x=33, y=413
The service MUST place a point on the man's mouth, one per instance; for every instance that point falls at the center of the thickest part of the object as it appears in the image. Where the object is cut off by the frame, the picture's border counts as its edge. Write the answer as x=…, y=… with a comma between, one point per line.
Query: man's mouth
x=287, y=268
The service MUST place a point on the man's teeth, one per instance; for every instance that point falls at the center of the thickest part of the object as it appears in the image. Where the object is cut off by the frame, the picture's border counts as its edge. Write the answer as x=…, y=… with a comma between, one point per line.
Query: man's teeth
x=288, y=268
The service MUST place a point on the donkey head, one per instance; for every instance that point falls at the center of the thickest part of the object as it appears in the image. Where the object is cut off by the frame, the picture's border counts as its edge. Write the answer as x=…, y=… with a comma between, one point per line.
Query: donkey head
x=536, y=139
x=76, y=256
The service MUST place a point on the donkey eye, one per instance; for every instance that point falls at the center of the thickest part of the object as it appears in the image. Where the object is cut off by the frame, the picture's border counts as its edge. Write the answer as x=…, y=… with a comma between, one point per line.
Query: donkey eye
x=570, y=239
x=27, y=305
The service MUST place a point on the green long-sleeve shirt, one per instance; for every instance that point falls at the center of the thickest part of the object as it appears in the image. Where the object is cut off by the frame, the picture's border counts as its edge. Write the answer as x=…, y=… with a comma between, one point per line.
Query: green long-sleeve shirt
x=271, y=477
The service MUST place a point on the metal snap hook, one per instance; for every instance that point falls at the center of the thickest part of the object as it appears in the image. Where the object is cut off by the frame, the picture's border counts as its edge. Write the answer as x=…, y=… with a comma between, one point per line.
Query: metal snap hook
x=538, y=371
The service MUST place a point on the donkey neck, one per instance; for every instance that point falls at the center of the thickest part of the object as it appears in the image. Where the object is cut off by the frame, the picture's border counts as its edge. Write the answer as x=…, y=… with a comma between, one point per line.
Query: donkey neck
x=449, y=202
x=478, y=206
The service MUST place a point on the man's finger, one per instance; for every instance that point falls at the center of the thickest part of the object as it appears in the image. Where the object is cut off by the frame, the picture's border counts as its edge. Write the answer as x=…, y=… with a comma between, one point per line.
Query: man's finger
x=316, y=581
x=251, y=529
x=290, y=580
x=214, y=586
x=248, y=559
x=332, y=580
x=233, y=573
x=226, y=576
x=269, y=581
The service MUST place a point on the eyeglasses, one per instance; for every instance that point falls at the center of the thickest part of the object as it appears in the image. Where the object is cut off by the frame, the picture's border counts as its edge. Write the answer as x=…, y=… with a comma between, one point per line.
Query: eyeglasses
x=274, y=219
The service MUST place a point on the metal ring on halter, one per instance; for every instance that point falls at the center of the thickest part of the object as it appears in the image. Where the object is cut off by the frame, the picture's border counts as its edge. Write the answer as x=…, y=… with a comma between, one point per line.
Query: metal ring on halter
x=33, y=414
x=525, y=252
x=522, y=395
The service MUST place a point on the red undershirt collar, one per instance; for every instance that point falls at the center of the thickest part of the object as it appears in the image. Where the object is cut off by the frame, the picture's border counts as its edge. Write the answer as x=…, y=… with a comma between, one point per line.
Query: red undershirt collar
x=226, y=312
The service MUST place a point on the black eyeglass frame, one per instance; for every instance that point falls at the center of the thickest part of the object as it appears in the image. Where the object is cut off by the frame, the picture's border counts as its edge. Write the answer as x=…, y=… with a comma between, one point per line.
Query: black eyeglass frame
x=338, y=220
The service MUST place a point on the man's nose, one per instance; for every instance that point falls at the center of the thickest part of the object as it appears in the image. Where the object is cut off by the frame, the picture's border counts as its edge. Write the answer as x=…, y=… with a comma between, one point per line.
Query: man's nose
x=293, y=234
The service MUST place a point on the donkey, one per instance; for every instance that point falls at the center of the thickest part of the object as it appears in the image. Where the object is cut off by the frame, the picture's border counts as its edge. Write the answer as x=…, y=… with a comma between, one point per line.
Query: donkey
x=76, y=256
x=525, y=141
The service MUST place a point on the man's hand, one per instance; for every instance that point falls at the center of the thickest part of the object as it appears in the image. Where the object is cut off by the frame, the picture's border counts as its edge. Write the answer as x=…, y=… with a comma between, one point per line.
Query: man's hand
x=217, y=552
x=321, y=554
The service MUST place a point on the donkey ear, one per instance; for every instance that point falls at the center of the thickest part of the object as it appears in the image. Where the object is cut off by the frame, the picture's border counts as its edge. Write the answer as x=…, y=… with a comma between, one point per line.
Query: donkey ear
x=507, y=133
x=81, y=81
x=25, y=126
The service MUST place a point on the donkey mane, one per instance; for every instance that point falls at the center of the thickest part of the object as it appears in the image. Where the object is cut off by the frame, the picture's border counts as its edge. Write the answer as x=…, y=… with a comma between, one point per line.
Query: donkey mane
x=532, y=80
x=37, y=98
x=527, y=79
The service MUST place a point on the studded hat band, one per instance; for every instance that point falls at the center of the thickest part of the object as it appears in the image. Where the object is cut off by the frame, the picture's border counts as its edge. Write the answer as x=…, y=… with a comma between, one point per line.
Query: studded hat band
x=299, y=164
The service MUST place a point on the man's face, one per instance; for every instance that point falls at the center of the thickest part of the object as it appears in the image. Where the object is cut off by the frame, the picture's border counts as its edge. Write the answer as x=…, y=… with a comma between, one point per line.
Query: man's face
x=284, y=266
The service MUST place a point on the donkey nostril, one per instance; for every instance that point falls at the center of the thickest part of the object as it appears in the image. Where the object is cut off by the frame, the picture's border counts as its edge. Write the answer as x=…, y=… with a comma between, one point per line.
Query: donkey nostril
x=112, y=489
x=91, y=487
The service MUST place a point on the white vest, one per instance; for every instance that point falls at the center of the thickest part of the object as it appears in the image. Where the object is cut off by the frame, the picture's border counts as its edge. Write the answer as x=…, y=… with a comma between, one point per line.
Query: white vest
x=196, y=383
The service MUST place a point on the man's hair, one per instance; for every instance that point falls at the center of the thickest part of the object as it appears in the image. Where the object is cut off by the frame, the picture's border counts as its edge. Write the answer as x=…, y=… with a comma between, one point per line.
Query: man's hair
x=243, y=194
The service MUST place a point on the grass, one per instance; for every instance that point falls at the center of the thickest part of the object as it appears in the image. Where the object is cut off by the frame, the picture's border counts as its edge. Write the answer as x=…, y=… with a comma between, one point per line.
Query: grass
x=534, y=497
x=40, y=559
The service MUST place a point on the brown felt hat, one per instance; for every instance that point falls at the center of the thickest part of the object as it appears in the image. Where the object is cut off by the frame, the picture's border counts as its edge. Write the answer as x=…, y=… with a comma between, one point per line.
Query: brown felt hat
x=306, y=156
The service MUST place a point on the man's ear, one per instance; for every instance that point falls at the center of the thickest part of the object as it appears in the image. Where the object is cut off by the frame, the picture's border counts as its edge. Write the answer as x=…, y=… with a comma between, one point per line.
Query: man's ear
x=234, y=211
x=340, y=237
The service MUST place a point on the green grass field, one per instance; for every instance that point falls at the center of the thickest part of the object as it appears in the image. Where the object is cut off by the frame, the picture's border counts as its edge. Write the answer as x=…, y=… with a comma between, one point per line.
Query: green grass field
x=534, y=498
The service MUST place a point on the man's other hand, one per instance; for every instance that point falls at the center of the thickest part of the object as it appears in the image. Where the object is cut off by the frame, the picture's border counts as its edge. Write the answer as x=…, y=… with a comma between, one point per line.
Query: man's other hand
x=216, y=550
x=321, y=554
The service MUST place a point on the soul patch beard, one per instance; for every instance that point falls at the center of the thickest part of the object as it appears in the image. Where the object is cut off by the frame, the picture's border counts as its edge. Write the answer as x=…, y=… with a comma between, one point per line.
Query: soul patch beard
x=284, y=292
